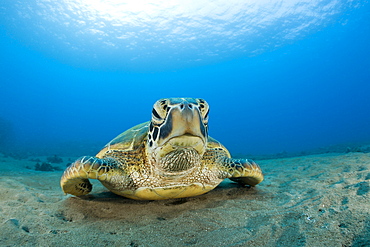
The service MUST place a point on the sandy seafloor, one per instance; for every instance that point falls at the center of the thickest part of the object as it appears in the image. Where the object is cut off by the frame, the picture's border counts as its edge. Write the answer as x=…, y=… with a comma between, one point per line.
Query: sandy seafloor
x=315, y=200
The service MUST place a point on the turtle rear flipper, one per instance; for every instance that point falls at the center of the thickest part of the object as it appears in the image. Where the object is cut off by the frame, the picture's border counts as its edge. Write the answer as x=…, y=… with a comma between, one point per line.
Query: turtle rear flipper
x=75, y=179
x=242, y=171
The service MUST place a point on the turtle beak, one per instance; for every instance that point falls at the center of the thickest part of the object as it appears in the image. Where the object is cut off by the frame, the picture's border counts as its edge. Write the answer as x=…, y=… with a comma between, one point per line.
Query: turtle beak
x=183, y=119
x=187, y=121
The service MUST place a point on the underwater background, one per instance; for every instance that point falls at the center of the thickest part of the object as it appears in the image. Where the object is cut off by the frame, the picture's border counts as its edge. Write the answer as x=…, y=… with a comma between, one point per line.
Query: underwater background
x=280, y=76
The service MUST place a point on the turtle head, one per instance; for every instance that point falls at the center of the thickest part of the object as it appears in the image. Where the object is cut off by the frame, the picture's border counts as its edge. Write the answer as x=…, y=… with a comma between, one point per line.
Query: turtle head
x=178, y=133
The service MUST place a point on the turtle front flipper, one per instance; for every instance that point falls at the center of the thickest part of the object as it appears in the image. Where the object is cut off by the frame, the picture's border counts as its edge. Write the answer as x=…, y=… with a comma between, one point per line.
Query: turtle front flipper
x=242, y=171
x=75, y=179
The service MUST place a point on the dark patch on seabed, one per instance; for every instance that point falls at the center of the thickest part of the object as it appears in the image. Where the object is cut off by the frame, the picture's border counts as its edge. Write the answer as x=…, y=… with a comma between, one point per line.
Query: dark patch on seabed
x=291, y=229
x=363, y=188
x=363, y=239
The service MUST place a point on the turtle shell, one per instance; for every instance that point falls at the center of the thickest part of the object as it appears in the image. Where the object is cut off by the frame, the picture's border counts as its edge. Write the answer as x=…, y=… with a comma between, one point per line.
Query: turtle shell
x=129, y=140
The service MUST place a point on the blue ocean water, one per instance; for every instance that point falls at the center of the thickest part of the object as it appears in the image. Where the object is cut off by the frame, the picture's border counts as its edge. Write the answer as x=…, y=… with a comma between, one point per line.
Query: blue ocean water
x=278, y=75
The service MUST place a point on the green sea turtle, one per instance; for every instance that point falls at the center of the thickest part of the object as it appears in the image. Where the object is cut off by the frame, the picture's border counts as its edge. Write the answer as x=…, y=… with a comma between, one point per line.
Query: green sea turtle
x=170, y=156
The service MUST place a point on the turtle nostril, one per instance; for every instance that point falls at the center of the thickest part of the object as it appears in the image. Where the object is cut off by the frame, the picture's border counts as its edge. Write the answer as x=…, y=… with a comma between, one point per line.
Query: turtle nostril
x=182, y=106
x=190, y=106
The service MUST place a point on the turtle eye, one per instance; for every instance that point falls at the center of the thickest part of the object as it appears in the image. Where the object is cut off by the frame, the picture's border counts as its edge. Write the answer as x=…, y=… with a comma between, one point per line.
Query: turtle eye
x=204, y=109
x=155, y=113
x=206, y=115
x=159, y=111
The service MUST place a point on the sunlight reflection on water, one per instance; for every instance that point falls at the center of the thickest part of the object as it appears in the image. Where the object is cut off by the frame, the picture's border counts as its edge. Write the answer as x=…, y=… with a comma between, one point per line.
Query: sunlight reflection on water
x=147, y=31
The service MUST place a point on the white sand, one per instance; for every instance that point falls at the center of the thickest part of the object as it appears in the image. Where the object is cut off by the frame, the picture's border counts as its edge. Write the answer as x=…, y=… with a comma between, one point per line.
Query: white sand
x=321, y=200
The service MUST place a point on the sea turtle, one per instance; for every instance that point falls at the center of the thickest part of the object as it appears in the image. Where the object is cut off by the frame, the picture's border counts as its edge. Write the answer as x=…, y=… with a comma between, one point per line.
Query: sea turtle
x=170, y=156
